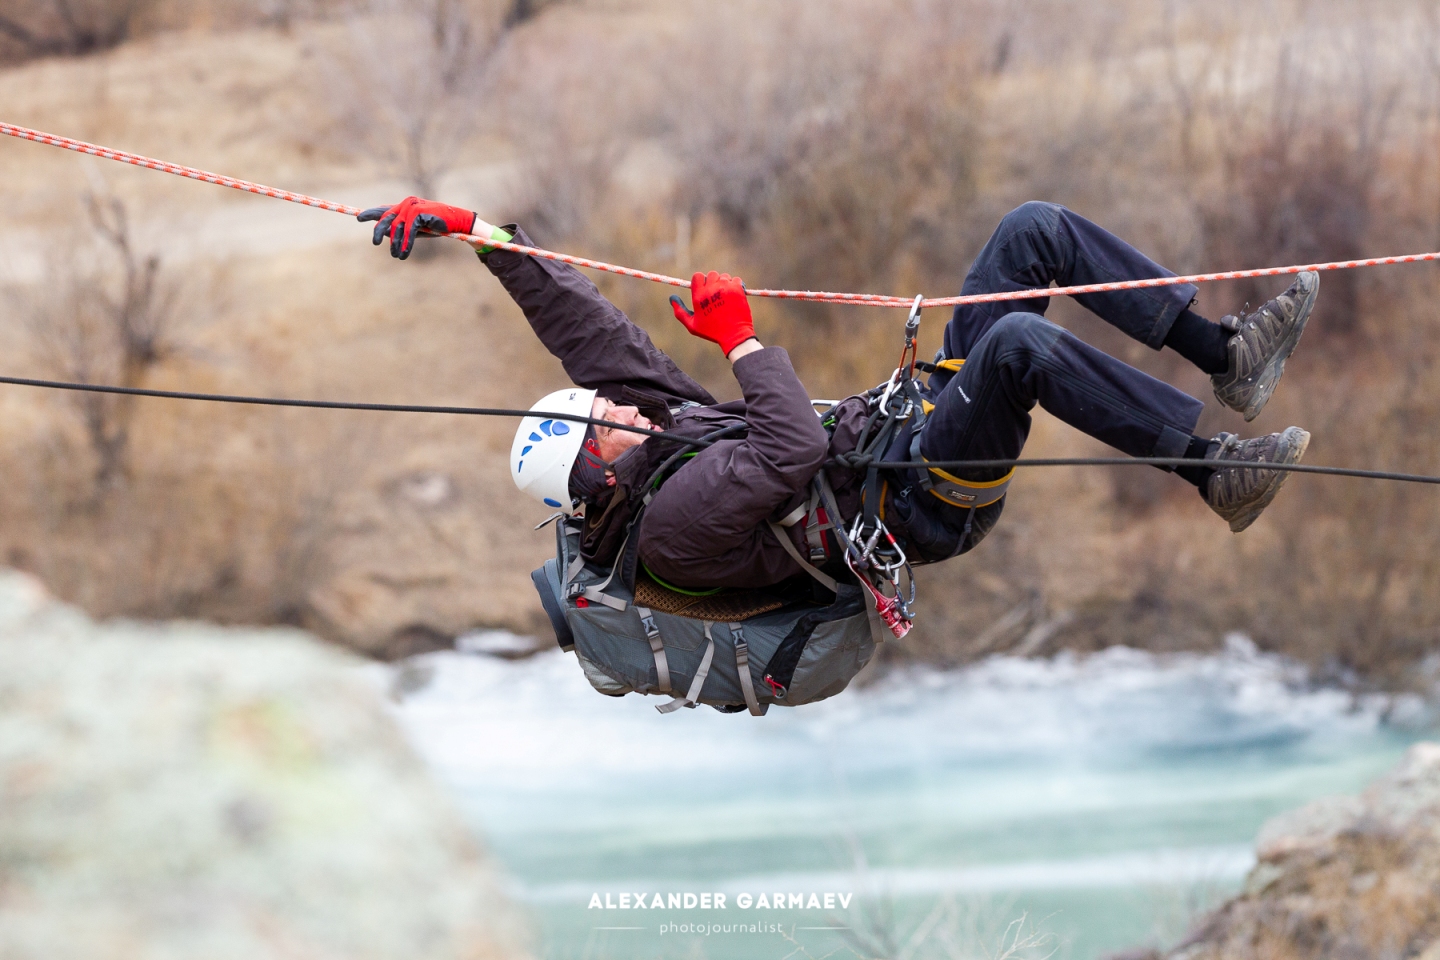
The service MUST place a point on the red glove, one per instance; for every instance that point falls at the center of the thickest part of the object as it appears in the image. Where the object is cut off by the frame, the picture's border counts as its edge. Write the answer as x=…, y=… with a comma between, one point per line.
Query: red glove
x=722, y=311
x=413, y=217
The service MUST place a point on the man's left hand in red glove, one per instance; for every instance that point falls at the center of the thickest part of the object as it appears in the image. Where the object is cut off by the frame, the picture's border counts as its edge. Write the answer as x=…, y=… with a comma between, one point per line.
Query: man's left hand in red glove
x=414, y=217
x=722, y=313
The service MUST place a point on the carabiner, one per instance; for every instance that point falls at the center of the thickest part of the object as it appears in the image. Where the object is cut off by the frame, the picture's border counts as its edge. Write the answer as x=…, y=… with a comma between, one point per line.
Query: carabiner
x=912, y=322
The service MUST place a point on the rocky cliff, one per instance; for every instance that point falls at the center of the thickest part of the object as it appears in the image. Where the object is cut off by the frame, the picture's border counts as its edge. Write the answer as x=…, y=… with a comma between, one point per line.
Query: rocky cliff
x=184, y=790
x=1344, y=877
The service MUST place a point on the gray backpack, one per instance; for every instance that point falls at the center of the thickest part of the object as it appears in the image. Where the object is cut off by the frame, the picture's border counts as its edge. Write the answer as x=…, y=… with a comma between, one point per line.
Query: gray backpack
x=733, y=650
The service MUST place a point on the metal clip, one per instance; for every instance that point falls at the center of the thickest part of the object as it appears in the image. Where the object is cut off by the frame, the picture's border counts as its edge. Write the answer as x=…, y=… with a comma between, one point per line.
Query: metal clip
x=548, y=520
x=912, y=322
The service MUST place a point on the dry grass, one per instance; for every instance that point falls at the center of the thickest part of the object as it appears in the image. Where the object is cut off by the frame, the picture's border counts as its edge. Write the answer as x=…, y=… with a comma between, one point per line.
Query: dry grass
x=841, y=145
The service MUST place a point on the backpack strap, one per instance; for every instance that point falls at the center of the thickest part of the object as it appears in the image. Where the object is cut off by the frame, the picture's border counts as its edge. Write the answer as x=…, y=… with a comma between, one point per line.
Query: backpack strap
x=657, y=647
x=692, y=696
x=742, y=664
x=595, y=593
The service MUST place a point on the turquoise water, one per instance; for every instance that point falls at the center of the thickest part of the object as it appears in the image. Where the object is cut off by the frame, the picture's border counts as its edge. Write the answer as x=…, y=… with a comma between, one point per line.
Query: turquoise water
x=1103, y=801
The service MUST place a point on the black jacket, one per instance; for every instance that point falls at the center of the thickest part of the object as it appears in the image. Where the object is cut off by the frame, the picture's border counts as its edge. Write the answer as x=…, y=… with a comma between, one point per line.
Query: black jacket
x=707, y=526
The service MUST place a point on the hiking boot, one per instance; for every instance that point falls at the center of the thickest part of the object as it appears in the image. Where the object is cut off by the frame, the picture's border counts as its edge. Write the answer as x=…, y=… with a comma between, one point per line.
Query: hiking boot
x=1239, y=493
x=1261, y=344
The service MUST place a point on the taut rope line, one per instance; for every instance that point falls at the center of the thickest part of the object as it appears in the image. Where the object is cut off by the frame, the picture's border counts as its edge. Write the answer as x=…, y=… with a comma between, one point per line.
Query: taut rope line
x=899, y=465
x=863, y=299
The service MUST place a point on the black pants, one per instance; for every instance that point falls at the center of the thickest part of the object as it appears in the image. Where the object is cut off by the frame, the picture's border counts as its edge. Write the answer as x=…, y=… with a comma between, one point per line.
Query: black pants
x=1015, y=358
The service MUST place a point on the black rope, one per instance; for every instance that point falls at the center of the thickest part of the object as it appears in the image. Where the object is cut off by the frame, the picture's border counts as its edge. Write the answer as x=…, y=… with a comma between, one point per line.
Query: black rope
x=341, y=405
x=697, y=442
x=1159, y=462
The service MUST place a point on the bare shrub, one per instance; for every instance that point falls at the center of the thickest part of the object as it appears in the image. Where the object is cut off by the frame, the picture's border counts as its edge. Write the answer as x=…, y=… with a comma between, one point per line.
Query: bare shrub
x=1302, y=194
x=106, y=318
x=848, y=149
x=954, y=928
x=565, y=187
x=409, y=89
x=40, y=28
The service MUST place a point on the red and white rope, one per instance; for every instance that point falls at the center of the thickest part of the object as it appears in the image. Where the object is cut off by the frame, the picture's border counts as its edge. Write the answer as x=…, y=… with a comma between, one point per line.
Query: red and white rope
x=861, y=299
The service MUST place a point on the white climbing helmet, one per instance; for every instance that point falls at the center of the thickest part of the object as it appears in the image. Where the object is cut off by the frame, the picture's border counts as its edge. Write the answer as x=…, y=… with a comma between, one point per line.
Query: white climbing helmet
x=545, y=448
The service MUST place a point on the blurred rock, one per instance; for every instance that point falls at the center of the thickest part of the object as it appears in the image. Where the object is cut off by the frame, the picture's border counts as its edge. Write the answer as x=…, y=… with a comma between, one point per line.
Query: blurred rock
x=1341, y=877
x=183, y=790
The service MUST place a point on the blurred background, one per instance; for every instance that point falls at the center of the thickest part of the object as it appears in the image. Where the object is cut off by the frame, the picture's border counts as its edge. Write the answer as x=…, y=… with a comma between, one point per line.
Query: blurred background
x=1112, y=649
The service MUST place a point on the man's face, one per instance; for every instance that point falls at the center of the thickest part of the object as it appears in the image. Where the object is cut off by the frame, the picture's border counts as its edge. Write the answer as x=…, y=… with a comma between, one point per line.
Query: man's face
x=612, y=443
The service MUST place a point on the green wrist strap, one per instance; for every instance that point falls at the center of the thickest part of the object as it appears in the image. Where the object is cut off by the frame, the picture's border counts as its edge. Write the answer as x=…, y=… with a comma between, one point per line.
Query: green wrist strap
x=495, y=234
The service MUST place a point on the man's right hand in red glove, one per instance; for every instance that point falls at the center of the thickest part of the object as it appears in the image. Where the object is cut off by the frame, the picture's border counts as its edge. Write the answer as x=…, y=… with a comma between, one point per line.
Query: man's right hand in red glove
x=414, y=217
x=722, y=311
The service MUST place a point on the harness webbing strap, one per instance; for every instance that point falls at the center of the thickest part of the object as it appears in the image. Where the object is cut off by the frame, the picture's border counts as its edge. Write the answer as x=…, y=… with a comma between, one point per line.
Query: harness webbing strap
x=596, y=595
x=815, y=530
x=742, y=666
x=657, y=647
x=968, y=493
x=826, y=581
x=815, y=524
x=795, y=516
x=692, y=696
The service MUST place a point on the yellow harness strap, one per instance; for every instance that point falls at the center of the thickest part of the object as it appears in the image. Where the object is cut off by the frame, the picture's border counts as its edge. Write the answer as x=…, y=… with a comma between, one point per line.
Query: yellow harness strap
x=967, y=493
x=954, y=367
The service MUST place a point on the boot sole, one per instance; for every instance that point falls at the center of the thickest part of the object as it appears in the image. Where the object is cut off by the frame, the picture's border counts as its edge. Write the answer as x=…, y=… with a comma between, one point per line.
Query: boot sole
x=1298, y=441
x=1269, y=376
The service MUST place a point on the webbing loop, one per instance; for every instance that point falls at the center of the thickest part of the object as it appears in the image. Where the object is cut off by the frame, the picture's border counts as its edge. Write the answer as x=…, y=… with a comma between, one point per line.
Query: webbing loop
x=742, y=667
x=657, y=648
x=692, y=696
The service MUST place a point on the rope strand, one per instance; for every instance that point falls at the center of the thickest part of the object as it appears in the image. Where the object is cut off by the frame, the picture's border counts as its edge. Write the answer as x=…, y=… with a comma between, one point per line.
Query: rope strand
x=860, y=299
x=694, y=442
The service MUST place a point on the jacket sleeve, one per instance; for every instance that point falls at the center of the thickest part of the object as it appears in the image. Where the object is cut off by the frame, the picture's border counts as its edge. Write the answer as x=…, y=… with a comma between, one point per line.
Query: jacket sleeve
x=600, y=348
x=707, y=525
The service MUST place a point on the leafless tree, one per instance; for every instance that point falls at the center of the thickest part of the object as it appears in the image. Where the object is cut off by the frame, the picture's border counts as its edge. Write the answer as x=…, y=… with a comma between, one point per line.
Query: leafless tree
x=105, y=317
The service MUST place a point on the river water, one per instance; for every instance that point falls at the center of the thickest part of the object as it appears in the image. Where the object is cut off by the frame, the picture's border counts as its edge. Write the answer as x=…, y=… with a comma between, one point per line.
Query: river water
x=1095, y=803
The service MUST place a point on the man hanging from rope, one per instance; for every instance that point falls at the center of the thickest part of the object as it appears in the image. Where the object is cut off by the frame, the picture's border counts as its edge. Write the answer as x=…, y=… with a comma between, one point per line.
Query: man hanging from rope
x=719, y=519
